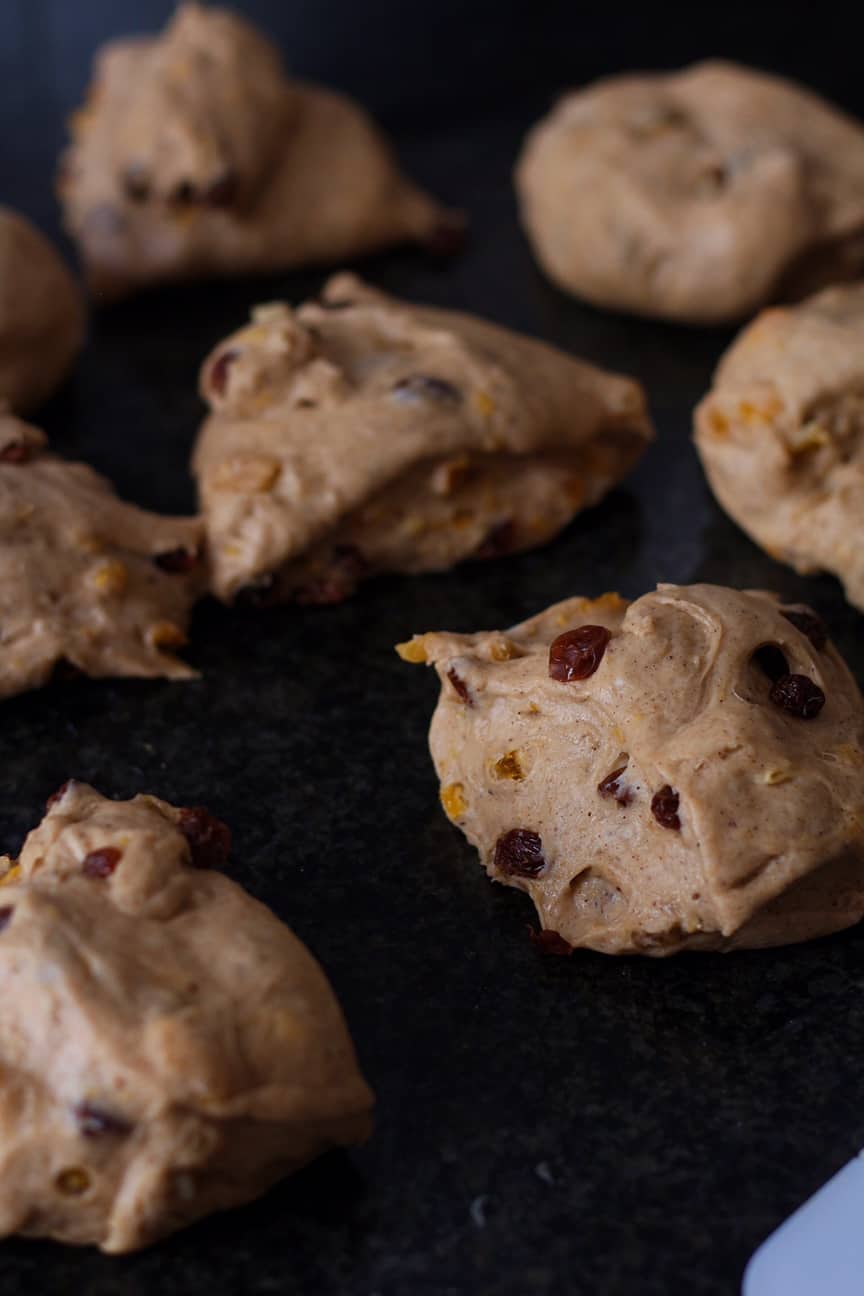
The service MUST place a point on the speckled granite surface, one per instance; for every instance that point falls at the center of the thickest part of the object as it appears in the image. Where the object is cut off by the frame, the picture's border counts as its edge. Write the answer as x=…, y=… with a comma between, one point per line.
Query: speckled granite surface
x=545, y=1126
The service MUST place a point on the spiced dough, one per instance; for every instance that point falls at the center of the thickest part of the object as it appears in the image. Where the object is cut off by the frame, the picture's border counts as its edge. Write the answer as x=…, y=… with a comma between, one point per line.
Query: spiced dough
x=86, y=581
x=359, y=434
x=168, y=1048
x=683, y=795
x=781, y=434
x=696, y=196
x=196, y=155
x=41, y=314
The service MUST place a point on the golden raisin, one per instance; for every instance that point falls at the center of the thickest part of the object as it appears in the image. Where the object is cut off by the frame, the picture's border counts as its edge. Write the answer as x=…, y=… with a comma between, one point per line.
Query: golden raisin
x=453, y=800
x=508, y=767
x=72, y=1182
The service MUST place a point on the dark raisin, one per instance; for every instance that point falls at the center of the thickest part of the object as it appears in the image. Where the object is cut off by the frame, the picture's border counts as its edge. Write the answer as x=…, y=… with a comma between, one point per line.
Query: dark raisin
x=809, y=624
x=176, y=560
x=59, y=794
x=261, y=593
x=184, y=193
x=448, y=236
x=101, y=863
x=208, y=837
x=576, y=654
x=16, y=452
x=519, y=853
x=771, y=660
x=664, y=807
x=418, y=388
x=218, y=375
x=798, y=695
x=95, y=1121
x=6, y=912
x=611, y=787
x=549, y=942
x=501, y=540
x=461, y=688
x=136, y=183
x=346, y=569
x=222, y=192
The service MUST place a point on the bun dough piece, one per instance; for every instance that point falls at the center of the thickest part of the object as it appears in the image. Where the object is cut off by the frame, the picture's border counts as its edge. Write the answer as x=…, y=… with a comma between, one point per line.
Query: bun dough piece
x=86, y=580
x=690, y=775
x=167, y=1047
x=781, y=434
x=360, y=434
x=195, y=155
x=695, y=196
x=41, y=315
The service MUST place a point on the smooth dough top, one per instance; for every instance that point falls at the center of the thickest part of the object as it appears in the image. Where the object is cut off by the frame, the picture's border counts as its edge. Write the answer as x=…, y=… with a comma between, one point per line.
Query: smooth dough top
x=195, y=155
x=360, y=403
x=167, y=1046
x=781, y=434
x=41, y=315
x=698, y=195
x=677, y=795
x=86, y=580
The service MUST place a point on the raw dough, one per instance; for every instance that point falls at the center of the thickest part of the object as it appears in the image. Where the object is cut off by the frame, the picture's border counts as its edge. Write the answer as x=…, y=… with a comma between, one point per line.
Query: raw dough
x=781, y=434
x=41, y=314
x=86, y=580
x=194, y=155
x=167, y=1047
x=360, y=433
x=696, y=196
x=688, y=792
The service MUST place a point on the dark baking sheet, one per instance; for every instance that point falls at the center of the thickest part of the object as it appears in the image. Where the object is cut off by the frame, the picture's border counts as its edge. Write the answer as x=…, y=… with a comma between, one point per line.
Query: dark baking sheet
x=584, y=1125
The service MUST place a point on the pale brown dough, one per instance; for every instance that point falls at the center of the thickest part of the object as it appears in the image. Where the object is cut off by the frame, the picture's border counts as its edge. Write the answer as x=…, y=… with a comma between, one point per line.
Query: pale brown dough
x=770, y=803
x=167, y=1047
x=195, y=155
x=86, y=580
x=697, y=196
x=360, y=434
x=41, y=315
x=781, y=434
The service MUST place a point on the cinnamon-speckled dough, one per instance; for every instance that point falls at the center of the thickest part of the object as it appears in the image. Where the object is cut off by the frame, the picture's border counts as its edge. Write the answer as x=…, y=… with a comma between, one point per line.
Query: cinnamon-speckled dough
x=195, y=155
x=86, y=580
x=770, y=847
x=360, y=433
x=696, y=196
x=167, y=1047
x=41, y=314
x=781, y=434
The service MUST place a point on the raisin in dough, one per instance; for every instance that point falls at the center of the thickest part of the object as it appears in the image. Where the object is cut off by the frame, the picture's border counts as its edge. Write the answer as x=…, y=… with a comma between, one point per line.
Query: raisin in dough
x=697, y=196
x=781, y=434
x=86, y=580
x=194, y=155
x=360, y=433
x=687, y=774
x=167, y=1047
x=41, y=314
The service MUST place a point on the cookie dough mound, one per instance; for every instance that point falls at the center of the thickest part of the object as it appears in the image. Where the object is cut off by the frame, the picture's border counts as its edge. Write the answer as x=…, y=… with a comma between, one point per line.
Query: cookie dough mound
x=86, y=581
x=685, y=771
x=41, y=315
x=360, y=434
x=167, y=1047
x=195, y=155
x=781, y=434
x=697, y=196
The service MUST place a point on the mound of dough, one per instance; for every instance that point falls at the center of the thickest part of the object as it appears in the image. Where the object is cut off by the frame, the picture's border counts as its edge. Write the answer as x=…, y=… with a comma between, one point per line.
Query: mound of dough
x=781, y=434
x=696, y=196
x=86, y=580
x=360, y=434
x=41, y=315
x=167, y=1047
x=685, y=771
x=194, y=155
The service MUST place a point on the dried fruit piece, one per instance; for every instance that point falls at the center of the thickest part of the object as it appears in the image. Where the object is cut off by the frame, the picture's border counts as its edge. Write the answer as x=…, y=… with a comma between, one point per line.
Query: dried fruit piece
x=101, y=863
x=110, y=577
x=72, y=1182
x=16, y=452
x=425, y=387
x=59, y=794
x=95, y=1121
x=576, y=654
x=208, y=837
x=771, y=660
x=6, y=912
x=347, y=568
x=508, y=766
x=176, y=560
x=519, y=853
x=811, y=625
x=798, y=695
x=549, y=942
x=453, y=800
x=499, y=541
x=460, y=687
x=611, y=787
x=664, y=807
x=217, y=378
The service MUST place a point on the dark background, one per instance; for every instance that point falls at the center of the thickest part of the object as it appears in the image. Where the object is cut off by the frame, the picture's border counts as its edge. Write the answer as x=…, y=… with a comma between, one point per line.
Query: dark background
x=586, y=1125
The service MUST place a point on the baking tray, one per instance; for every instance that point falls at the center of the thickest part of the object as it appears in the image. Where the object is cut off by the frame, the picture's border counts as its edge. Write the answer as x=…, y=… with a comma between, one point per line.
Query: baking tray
x=583, y=1125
